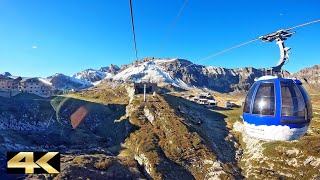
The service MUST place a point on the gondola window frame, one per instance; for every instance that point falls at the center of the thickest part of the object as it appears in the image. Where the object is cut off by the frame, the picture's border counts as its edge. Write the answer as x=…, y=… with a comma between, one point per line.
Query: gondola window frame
x=251, y=95
x=292, y=113
x=274, y=107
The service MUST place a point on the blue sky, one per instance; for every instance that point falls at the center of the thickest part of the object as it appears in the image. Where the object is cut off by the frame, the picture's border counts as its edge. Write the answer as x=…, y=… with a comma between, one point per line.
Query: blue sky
x=42, y=37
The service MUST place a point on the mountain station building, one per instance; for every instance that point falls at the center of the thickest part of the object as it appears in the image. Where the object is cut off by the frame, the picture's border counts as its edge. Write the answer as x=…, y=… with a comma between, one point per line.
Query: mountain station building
x=11, y=86
x=150, y=87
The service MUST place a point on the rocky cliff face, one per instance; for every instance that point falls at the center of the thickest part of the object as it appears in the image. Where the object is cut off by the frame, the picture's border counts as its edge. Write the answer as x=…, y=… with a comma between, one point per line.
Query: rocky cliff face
x=62, y=124
x=113, y=69
x=166, y=148
x=310, y=75
x=214, y=78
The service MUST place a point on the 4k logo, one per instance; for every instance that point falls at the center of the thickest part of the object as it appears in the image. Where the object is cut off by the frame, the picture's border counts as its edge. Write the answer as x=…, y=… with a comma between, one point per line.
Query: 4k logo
x=33, y=162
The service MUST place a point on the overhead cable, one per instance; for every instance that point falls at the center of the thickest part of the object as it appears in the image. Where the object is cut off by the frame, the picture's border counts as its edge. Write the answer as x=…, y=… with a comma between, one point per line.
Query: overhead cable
x=253, y=40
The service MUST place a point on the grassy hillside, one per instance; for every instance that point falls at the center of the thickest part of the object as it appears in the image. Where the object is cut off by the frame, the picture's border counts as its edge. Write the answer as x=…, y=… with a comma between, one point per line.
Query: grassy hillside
x=167, y=137
x=104, y=94
x=261, y=159
x=166, y=146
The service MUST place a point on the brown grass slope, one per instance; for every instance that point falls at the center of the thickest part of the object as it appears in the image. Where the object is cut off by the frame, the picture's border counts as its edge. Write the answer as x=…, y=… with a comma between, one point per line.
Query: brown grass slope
x=167, y=145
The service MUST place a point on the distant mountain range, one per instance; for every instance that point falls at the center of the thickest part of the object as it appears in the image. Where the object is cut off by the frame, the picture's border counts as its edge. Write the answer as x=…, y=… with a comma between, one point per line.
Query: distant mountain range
x=179, y=72
x=62, y=82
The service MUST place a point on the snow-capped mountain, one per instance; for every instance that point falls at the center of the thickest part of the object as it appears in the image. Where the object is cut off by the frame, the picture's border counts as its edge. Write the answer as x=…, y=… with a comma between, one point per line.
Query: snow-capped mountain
x=61, y=81
x=148, y=70
x=179, y=72
x=94, y=76
x=184, y=73
x=90, y=75
x=112, y=69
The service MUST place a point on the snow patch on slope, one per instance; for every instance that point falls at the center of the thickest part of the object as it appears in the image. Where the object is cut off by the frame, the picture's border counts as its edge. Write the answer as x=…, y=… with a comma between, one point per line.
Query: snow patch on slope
x=149, y=71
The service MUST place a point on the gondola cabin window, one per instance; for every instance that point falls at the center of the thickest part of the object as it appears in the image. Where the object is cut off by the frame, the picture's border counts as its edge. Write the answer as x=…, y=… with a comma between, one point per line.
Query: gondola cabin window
x=264, y=103
x=247, y=103
x=293, y=103
x=307, y=101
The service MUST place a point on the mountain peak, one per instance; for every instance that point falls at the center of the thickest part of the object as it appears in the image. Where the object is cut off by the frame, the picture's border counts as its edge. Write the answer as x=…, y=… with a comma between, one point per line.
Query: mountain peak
x=113, y=69
x=146, y=59
x=90, y=75
x=310, y=75
x=6, y=74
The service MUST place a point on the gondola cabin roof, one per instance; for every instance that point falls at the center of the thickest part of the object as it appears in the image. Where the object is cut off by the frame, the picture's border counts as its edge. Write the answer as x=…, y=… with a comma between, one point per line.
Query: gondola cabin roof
x=274, y=78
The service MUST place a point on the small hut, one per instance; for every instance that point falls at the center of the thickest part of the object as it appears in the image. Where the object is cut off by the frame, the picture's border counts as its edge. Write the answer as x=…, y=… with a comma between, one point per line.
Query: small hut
x=150, y=87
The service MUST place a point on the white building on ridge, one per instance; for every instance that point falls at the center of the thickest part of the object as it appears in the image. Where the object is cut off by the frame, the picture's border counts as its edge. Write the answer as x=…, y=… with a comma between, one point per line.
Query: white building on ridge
x=11, y=86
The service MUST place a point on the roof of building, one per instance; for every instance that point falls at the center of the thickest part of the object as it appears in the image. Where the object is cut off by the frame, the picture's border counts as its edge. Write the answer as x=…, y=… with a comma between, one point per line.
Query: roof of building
x=39, y=80
x=25, y=79
x=3, y=77
x=9, y=77
x=142, y=83
x=45, y=81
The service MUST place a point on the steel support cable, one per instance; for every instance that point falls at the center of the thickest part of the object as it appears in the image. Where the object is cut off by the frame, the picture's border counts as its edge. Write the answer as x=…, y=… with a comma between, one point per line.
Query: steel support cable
x=224, y=51
x=133, y=30
x=305, y=24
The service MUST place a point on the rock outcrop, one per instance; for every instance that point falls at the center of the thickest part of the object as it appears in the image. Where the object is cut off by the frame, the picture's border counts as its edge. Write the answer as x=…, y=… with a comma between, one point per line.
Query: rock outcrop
x=310, y=75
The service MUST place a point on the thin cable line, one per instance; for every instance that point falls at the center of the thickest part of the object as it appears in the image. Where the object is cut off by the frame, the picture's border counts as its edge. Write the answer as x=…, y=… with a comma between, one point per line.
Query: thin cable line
x=305, y=24
x=237, y=46
x=133, y=30
x=172, y=25
x=185, y=3
x=226, y=50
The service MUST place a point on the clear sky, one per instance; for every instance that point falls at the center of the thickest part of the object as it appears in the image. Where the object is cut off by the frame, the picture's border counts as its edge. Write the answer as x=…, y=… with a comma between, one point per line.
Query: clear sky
x=42, y=37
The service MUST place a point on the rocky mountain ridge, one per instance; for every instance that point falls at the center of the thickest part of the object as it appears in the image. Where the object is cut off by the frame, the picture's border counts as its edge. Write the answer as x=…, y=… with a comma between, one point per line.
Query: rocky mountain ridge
x=92, y=75
x=62, y=82
x=179, y=72
x=185, y=74
x=310, y=75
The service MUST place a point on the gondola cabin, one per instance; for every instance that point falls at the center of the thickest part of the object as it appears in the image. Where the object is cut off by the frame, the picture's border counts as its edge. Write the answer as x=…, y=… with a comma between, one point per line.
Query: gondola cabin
x=277, y=109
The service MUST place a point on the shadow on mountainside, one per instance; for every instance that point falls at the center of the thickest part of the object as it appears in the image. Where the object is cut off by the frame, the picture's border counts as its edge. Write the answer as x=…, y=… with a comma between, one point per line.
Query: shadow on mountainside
x=213, y=128
x=67, y=125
